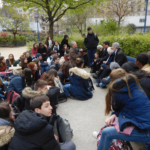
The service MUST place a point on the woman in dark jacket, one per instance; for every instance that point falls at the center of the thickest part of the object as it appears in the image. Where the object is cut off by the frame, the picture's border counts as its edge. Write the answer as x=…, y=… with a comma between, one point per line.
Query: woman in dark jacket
x=143, y=76
x=10, y=60
x=19, y=82
x=29, y=58
x=79, y=80
x=43, y=51
x=132, y=107
x=24, y=62
x=64, y=41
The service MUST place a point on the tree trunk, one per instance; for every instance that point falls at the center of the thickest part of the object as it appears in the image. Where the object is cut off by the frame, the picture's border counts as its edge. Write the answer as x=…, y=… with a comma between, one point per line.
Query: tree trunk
x=119, y=24
x=51, y=25
x=15, y=38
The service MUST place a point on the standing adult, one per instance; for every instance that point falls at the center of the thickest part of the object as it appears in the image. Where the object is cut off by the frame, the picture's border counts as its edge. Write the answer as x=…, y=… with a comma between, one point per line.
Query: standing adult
x=91, y=41
x=74, y=54
x=64, y=41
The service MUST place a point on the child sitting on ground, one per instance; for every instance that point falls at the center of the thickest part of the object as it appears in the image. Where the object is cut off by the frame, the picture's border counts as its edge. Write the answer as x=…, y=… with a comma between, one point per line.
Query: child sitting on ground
x=33, y=130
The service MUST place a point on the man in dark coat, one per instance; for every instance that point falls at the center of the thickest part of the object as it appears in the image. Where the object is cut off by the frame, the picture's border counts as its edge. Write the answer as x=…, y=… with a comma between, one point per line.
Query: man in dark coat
x=43, y=51
x=74, y=53
x=91, y=41
x=120, y=56
x=34, y=131
x=64, y=41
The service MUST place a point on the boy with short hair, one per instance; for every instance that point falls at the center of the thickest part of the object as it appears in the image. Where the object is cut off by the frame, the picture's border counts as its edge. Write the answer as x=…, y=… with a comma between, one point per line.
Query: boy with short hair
x=56, y=65
x=50, y=60
x=33, y=130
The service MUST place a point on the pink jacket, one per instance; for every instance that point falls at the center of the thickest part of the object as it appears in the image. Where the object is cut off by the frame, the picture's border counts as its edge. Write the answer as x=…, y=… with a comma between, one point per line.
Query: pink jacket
x=34, y=52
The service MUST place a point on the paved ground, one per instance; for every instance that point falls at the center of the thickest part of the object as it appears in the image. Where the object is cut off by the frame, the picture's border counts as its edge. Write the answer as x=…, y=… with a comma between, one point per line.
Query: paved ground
x=84, y=116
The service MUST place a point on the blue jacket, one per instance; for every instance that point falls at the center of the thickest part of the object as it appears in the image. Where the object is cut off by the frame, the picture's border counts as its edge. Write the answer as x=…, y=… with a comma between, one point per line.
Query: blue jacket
x=43, y=64
x=79, y=80
x=17, y=84
x=132, y=111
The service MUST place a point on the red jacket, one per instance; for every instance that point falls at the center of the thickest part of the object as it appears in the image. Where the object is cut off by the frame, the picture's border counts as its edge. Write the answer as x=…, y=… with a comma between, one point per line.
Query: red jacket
x=34, y=52
x=3, y=68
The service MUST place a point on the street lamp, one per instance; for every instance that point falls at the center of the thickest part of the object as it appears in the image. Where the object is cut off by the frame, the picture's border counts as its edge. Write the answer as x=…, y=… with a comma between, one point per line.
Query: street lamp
x=145, y=15
x=36, y=18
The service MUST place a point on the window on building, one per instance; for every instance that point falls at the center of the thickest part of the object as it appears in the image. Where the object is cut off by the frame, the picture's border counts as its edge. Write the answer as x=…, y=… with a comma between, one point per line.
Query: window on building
x=43, y=28
x=142, y=20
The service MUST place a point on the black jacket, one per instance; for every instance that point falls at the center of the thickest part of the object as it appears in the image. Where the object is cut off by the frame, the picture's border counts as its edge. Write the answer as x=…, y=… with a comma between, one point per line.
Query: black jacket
x=91, y=41
x=120, y=57
x=7, y=62
x=41, y=51
x=55, y=66
x=29, y=59
x=64, y=41
x=23, y=102
x=103, y=55
x=145, y=84
x=33, y=131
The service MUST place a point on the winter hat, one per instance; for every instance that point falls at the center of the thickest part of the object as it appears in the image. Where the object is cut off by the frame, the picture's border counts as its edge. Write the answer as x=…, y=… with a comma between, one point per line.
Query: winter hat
x=114, y=65
x=110, y=50
x=38, y=54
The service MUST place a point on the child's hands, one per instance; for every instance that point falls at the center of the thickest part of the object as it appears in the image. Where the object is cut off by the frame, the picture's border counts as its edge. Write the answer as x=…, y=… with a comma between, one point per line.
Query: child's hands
x=110, y=120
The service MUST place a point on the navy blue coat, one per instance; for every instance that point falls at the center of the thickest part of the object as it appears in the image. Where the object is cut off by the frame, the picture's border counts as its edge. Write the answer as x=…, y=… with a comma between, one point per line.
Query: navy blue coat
x=33, y=132
x=132, y=111
x=79, y=80
x=17, y=84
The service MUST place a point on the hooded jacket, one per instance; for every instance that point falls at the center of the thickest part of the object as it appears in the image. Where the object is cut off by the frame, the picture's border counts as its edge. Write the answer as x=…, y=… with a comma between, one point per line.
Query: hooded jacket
x=6, y=133
x=32, y=131
x=17, y=84
x=79, y=80
x=23, y=103
x=131, y=111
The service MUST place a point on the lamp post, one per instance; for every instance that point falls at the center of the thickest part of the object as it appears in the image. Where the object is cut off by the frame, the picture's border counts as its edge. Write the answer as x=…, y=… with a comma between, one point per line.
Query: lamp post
x=145, y=15
x=36, y=18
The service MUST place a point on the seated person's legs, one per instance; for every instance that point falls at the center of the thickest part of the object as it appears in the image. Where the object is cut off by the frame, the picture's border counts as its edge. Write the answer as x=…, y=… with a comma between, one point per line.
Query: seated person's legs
x=67, y=146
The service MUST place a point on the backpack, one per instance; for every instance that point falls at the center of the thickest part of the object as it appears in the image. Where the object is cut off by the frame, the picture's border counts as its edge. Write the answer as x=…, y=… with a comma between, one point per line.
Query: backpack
x=62, y=129
x=91, y=87
x=11, y=96
x=115, y=144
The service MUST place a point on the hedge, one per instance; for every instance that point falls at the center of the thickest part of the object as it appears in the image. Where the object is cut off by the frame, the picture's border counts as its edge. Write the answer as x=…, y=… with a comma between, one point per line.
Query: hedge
x=130, y=44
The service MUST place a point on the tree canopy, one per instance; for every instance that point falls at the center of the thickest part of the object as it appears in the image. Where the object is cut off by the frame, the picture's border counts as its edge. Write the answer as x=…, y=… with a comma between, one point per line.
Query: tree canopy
x=53, y=10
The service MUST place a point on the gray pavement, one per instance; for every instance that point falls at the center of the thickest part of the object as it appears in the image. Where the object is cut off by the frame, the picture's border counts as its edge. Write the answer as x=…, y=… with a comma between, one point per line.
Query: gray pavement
x=84, y=116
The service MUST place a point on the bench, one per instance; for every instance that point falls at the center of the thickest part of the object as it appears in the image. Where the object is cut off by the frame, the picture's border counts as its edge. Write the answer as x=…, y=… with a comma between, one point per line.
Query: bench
x=132, y=59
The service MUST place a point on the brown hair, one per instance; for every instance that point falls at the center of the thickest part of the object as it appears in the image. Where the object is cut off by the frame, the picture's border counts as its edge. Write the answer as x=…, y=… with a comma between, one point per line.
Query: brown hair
x=79, y=62
x=119, y=73
x=2, y=64
x=11, y=61
x=31, y=66
x=22, y=64
x=34, y=46
x=39, y=84
x=38, y=101
x=64, y=45
x=4, y=110
x=37, y=62
x=55, y=57
x=65, y=68
x=1, y=83
x=50, y=76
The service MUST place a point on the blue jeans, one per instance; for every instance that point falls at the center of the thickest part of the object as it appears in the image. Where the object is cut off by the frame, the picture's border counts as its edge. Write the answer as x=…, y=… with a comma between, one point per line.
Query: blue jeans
x=110, y=133
x=44, y=69
x=91, y=56
x=66, y=86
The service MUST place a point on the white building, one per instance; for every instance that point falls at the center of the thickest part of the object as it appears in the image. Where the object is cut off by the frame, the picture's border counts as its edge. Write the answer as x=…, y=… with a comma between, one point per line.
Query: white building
x=138, y=21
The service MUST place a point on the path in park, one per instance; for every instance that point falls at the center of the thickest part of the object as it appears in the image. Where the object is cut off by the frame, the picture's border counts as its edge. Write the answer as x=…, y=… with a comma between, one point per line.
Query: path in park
x=84, y=116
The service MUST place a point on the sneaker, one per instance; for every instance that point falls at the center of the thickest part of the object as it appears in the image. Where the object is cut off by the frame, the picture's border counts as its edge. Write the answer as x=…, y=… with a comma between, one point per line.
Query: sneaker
x=95, y=134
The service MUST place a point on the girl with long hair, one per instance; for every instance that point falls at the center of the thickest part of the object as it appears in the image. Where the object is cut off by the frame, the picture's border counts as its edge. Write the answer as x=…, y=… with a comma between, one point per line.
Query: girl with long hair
x=34, y=69
x=10, y=60
x=34, y=49
x=23, y=62
x=3, y=65
x=132, y=107
x=29, y=58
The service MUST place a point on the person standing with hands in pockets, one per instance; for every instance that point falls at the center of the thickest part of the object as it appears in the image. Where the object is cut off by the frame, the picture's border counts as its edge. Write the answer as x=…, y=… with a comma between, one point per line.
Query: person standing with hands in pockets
x=91, y=41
